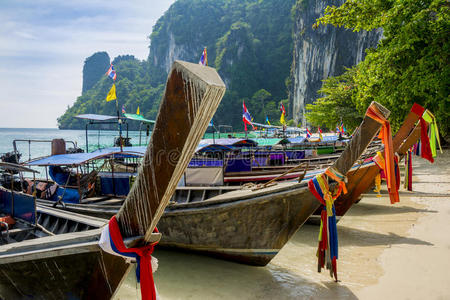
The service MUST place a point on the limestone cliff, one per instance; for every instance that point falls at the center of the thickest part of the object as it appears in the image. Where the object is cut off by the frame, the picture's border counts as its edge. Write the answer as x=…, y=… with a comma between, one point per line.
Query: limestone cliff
x=320, y=53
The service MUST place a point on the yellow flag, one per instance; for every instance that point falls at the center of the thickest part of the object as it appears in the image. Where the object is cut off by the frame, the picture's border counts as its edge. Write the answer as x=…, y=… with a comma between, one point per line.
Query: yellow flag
x=137, y=112
x=112, y=93
x=282, y=121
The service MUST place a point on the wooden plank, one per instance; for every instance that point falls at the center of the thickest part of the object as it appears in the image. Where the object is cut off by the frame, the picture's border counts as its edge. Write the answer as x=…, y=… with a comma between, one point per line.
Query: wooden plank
x=192, y=95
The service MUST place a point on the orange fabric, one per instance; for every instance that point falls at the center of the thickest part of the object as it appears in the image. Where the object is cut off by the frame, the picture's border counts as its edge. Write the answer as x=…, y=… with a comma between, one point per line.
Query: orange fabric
x=386, y=137
x=341, y=187
x=8, y=220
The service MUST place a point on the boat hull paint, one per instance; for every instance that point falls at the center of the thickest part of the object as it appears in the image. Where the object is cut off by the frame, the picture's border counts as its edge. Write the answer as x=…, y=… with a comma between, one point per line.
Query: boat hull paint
x=249, y=231
x=66, y=270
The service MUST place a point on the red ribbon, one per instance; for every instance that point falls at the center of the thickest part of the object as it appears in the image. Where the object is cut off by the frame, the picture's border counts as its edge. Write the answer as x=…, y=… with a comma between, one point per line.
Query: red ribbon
x=424, y=139
x=145, y=260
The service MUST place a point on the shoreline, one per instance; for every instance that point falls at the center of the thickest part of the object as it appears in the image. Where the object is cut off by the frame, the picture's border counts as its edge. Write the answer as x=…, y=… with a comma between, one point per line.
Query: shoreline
x=396, y=251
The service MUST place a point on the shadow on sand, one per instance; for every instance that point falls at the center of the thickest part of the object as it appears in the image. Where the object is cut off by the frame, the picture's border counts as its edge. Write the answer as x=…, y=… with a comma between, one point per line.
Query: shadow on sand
x=363, y=209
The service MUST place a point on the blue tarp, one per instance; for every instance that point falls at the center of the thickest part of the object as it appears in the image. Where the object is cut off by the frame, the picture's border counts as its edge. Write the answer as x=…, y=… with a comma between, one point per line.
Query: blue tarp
x=68, y=196
x=24, y=207
x=117, y=184
x=205, y=163
x=238, y=165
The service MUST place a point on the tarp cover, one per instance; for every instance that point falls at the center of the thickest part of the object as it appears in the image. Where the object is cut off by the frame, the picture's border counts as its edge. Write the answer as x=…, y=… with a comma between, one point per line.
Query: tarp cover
x=95, y=117
x=138, y=118
x=81, y=158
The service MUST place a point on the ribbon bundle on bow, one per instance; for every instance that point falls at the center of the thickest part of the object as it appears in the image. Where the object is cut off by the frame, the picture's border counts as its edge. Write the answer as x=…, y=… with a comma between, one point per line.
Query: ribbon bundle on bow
x=433, y=132
x=389, y=160
x=423, y=146
x=328, y=238
x=111, y=241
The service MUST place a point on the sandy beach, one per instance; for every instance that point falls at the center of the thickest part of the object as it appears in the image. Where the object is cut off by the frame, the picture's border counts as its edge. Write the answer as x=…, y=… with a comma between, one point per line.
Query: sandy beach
x=386, y=251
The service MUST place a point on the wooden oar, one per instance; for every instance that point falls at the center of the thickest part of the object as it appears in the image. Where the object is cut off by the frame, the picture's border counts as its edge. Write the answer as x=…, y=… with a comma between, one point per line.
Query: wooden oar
x=192, y=95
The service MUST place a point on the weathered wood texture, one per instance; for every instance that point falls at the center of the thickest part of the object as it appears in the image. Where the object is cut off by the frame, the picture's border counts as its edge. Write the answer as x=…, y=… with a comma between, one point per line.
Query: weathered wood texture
x=245, y=226
x=362, y=179
x=360, y=140
x=192, y=95
x=75, y=276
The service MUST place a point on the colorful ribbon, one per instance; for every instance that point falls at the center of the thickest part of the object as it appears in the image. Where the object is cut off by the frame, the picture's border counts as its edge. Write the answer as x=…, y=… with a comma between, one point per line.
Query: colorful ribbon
x=386, y=137
x=425, y=148
x=328, y=238
x=144, y=273
x=433, y=132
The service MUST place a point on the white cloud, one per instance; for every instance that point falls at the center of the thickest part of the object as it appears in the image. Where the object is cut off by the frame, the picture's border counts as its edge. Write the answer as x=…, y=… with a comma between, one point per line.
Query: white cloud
x=43, y=45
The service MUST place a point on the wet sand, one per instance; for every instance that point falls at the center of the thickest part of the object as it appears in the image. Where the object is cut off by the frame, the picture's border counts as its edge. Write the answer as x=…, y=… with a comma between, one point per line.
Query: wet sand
x=399, y=251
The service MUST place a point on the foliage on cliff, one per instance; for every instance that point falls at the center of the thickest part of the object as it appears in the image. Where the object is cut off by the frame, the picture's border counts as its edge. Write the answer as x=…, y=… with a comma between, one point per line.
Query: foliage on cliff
x=410, y=64
x=249, y=42
x=94, y=68
x=137, y=84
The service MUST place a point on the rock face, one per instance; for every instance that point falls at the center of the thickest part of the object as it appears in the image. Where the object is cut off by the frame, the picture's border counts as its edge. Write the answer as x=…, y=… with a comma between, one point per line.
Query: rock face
x=94, y=68
x=322, y=52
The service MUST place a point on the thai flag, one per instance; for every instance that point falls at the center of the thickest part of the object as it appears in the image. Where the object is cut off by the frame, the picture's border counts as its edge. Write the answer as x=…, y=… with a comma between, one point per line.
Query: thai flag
x=246, y=117
x=204, y=59
x=320, y=133
x=111, y=73
x=342, y=128
x=283, y=111
x=308, y=133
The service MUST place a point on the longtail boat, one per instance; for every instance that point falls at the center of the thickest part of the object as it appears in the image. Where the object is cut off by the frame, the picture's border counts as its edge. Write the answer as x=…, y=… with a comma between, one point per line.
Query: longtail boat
x=247, y=225
x=361, y=178
x=50, y=254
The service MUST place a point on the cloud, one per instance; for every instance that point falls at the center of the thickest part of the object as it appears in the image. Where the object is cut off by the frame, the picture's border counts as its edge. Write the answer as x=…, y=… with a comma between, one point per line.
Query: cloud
x=43, y=45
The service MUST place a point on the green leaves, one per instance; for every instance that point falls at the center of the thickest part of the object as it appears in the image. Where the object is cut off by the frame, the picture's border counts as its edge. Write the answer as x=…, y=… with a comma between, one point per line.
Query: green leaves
x=409, y=65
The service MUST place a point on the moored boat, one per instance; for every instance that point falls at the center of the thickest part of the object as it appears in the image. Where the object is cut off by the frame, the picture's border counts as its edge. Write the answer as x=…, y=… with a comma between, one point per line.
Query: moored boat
x=246, y=225
x=47, y=253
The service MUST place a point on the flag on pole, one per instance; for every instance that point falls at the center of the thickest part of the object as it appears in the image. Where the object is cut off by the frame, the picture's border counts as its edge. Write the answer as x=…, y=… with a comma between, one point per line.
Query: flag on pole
x=342, y=128
x=308, y=133
x=111, y=73
x=204, y=58
x=137, y=111
x=320, y=133
x=283, y=114
x=123, y=109
x=246, y=117
x=267, y=120
x=112, y=94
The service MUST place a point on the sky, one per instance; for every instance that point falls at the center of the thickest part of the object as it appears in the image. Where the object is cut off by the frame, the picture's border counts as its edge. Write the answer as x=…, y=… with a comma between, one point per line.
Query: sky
x=43, y=45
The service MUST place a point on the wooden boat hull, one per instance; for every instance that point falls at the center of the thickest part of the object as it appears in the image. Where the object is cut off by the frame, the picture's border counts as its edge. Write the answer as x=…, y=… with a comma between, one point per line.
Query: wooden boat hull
x=65, y=275
x=58, y=259
x=242, y=226
x=246, y=230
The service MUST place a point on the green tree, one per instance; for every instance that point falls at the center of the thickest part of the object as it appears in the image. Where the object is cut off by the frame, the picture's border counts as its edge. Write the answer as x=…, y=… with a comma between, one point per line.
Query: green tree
x=410, y=63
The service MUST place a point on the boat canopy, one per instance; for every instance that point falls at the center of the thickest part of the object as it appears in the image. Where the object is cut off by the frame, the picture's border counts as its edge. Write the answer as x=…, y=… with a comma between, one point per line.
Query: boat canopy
x=295, y=140
x=95, y=117
x=268, y=141
x=232, y=142
x=140, y=118
x=82, y=158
